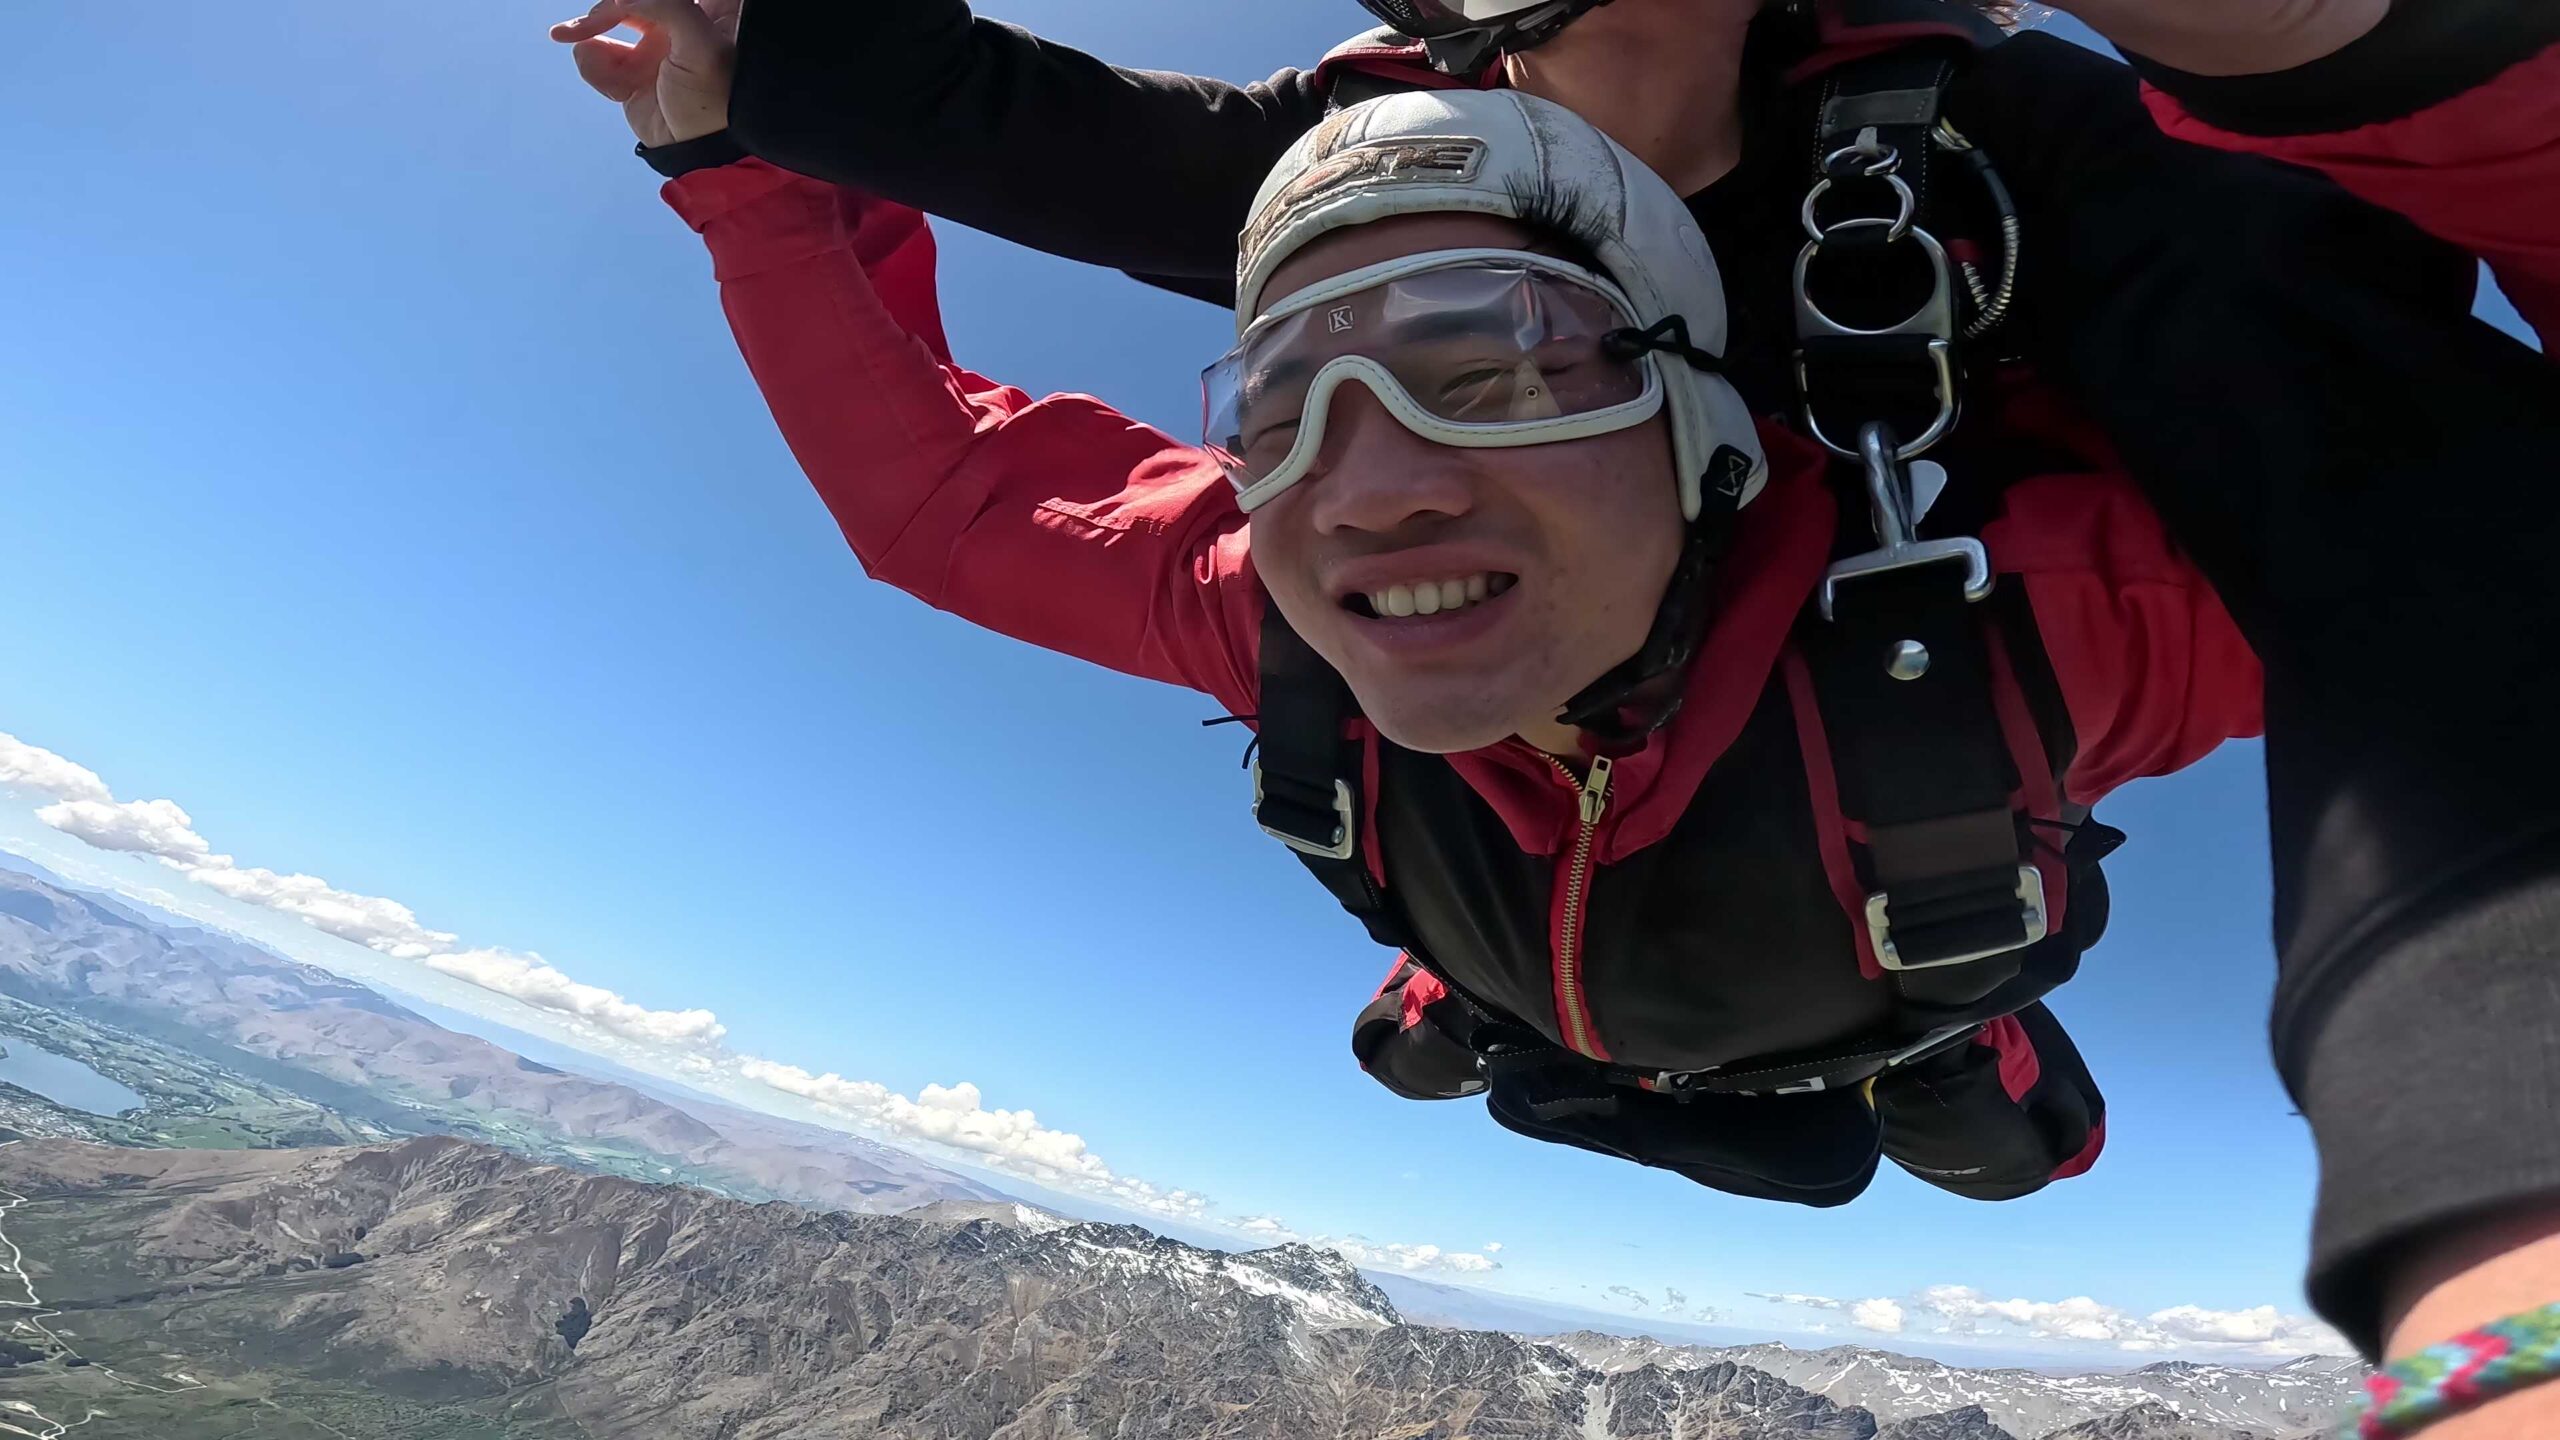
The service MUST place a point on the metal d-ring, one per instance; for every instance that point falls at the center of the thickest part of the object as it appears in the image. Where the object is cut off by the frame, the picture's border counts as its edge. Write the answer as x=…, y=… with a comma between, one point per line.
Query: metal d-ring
x=1903, y=196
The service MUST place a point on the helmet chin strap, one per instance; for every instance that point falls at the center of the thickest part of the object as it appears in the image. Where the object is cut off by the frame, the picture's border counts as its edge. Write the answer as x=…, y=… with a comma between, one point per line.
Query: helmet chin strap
x=1619, y=711
x=1640, y=695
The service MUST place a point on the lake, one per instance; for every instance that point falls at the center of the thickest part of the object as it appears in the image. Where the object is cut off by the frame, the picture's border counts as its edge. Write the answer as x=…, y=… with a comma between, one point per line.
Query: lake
x=63, y=1080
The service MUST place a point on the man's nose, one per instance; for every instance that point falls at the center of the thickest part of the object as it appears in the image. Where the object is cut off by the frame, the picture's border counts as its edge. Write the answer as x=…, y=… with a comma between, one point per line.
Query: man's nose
x=1373, y=474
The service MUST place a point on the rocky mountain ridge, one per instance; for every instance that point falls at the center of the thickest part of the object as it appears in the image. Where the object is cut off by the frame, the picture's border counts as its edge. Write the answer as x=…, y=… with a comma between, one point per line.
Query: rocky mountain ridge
x=2297, y=1397
x=457, y=1276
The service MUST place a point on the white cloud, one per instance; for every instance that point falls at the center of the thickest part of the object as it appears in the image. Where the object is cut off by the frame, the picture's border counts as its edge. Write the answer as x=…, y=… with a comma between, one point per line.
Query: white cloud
x=1493, y=1247
x=1882, y=1316
x=957, y=1116
x=529, y=979
x=1673, y=1298
x=2078, y=1318
x=1810, y=1302
x=1407, y=1258
x=1631, y=1296
x=2261, y=1330
x=1372, y=1255
x=162, y=829
x=157, y=828
x=33, y=767
x=377, y=924
x=84, y=807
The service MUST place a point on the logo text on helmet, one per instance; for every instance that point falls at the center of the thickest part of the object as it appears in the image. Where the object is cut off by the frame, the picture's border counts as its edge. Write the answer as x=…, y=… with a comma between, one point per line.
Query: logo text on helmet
x=1449, y=161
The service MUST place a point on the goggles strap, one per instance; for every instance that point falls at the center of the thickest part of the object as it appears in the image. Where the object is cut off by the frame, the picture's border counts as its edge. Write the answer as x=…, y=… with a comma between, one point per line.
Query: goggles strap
x=1669, y=336
x=1617, y=711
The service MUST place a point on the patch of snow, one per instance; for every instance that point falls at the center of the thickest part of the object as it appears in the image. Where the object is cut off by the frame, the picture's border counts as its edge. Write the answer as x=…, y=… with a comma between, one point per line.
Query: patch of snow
x=1325, y=1311
x=1596, y=1412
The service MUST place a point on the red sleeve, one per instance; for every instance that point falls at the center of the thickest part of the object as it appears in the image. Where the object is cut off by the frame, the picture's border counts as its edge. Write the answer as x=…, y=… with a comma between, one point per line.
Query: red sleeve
x=1058, y=521
x=2152, y=667
x=2480, y=170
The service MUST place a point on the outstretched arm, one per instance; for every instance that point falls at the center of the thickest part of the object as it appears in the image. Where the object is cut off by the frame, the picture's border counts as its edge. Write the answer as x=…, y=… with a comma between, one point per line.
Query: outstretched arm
x=1057, y=521
x=926, y=104
x=2294, y=378
x=2447, y=111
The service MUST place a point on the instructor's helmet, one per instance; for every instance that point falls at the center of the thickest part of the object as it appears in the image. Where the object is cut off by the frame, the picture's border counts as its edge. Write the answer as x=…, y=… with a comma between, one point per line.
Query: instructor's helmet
x=1464, y=35
x=1638, y=336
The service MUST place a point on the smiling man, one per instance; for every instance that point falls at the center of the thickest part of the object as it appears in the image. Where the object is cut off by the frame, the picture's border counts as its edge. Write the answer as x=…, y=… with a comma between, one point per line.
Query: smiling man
x=1505, y=527
x=1491, y=553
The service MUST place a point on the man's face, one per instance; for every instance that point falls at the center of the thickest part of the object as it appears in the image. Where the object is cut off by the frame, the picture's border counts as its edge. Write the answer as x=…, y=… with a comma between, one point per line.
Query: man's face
x=1556, y=555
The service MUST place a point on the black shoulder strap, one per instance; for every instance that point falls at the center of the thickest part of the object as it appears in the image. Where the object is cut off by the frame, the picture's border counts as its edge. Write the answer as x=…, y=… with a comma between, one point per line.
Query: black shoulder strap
x=1901, y=662
x=1876, y=301
x=1306, y=776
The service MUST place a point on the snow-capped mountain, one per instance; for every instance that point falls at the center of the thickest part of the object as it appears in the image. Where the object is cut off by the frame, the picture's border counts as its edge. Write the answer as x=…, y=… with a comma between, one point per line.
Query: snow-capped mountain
x=2298, y=1396
x=445, y=1285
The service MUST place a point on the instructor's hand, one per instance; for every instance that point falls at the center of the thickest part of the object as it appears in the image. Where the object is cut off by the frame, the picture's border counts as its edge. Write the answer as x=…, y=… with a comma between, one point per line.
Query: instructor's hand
x=2230, y=37
x=673, y=82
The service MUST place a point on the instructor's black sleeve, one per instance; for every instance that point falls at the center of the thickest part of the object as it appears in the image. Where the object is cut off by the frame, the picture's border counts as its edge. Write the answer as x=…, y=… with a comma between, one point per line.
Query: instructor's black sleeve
x=924, y=103
x=2364, y=471
x=2423, y=53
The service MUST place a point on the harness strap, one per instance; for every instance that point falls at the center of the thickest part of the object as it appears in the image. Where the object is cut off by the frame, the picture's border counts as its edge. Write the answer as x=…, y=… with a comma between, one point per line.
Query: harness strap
x=1307, y=793
x=1588, y=1084
x=1306, y=773
x=1903, y=677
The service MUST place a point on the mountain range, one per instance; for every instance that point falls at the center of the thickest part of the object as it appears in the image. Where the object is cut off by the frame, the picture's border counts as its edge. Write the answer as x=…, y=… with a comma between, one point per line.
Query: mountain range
x=278, y=1287
x=2299, y=1395
x=434, y=1287
x=340, y=1044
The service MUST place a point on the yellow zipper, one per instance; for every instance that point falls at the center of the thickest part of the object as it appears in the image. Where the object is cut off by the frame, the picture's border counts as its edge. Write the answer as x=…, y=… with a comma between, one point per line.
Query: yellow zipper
x=1594, y=797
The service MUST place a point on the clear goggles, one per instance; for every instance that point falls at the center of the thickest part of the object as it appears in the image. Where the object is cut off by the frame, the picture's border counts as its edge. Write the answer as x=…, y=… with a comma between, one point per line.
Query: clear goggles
x=1431, y=19
x=1471, y=348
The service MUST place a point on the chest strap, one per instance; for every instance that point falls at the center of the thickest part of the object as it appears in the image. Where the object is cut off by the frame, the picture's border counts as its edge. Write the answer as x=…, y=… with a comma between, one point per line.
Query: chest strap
x=1927, y=780
x=1561, y=1076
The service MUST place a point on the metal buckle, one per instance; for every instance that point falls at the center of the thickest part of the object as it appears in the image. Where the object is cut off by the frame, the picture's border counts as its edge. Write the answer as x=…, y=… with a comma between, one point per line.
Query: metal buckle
x=1889, y=494
x=1931, y=1042
x=1345, y=832
x=2030, y=899
x=1934, y=319
x=1942, y=360
x=1908, y=209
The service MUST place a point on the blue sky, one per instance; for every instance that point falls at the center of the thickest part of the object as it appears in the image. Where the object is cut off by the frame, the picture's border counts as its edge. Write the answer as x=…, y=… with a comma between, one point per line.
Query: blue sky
x=380, y=485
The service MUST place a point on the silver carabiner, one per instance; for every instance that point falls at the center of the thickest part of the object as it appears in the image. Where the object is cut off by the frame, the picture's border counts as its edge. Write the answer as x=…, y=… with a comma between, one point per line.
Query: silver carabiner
x=1935, y=320
x=1909, y=203
x=1897, y=547
x=1883, y=158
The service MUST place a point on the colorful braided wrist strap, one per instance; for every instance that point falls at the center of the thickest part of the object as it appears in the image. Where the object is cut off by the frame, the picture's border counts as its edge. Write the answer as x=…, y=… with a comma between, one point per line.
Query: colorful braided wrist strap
x=2466, y=1371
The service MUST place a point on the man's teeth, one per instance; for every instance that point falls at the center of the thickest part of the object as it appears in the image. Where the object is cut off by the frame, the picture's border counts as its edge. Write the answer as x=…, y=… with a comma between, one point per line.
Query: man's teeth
x=1431, y=597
